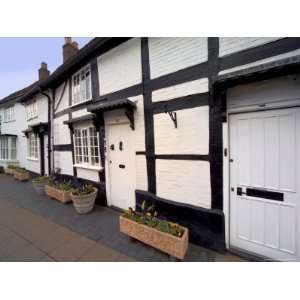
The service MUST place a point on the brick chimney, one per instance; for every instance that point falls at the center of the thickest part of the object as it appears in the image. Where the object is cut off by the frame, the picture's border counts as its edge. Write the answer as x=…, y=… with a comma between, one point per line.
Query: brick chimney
x=70, y=49
x=43, y=71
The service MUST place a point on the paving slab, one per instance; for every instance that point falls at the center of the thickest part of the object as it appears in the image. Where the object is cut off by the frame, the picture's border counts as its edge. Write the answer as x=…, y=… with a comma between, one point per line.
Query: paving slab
x=72, y=250
x=99, y=253
x=47, y=230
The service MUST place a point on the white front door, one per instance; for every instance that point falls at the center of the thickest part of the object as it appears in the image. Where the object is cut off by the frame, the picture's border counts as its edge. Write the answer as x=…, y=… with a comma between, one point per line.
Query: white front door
x=265, y=183
x=120, y=160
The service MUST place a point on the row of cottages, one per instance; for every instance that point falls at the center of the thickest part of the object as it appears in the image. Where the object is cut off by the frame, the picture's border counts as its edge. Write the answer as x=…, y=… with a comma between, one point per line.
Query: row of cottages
x=207, y=129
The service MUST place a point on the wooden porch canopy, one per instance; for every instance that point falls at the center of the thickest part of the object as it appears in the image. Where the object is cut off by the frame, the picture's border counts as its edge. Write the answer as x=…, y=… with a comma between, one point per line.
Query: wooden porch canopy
x=109, y=105
x=36, y=128
x=273, y=69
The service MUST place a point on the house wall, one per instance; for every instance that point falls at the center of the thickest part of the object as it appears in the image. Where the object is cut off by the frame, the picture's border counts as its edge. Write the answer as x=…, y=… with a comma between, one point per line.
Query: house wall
x=229, y=45
x=186, y=161
x=120, y=67
x=168, y=55
x=34, y=165
x=15, y=127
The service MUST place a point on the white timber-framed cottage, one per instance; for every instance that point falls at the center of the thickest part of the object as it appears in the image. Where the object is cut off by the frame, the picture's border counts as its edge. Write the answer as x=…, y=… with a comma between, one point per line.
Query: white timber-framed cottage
x=207, y=129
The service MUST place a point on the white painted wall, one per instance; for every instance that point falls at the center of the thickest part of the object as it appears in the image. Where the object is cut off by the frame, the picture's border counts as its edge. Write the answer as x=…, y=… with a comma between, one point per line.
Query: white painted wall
x=63, y=160
x=184, y=181
x=63, y=94
x=120, y=67
x=80, y=113
x=16, y=127
x=88, y=174
x=181, y=90
x=139, y=132
x=141, y=172
x=168, y=55
x=42, y=117
x=273, y=93
x=229, y=45
x=61, y=131
x=191, y=135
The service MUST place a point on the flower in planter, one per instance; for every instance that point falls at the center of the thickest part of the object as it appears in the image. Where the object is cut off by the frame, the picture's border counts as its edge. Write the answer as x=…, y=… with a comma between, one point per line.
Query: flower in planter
x=84, y=189
x=148, y=216
x=11, y=166
x=61, y=185
x=20, y=170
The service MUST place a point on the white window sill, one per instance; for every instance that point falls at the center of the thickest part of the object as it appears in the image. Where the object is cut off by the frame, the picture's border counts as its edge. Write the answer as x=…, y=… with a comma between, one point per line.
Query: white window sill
x=32, y=158
x=88, y=167
x=79, y=103
x=9, y=160
x=32, y=118
x=9, y=121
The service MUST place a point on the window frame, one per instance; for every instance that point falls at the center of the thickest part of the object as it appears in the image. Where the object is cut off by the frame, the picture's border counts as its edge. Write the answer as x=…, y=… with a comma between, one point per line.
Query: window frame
x=31, y=110
x=9, y=114
x=6, y=148
x=78, y=86
x=33, y=146
x=85, y=154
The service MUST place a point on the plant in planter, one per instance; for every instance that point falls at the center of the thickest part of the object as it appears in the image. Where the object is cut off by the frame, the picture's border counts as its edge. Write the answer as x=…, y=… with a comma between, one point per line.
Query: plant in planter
x=59, y=190
x=10, y=169
x=83, y=198
x=39, y=184
x=166, y=236
x=21, y=174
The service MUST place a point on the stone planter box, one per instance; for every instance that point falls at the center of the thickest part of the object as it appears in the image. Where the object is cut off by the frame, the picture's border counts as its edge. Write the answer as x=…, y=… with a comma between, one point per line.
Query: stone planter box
x=172, y=245
x=9, y=171
x=62, y=196
x=39, y=186
x=21, y=176
x=84, y=203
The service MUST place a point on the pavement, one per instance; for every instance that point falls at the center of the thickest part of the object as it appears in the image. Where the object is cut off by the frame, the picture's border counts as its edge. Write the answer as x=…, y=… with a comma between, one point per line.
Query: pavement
x=35, y=228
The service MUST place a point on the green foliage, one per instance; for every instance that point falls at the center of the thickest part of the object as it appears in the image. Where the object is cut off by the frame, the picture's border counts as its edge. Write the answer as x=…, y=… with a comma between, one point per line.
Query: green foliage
x=20, y=170
x=44, y=179
x=12, y=167
x=148, y=216
x=85, y=189
x=61, y=185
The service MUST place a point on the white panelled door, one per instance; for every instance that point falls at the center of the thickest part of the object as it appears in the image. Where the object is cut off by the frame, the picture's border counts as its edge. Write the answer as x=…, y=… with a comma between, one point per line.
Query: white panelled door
x=265, y=183
x=121, y=162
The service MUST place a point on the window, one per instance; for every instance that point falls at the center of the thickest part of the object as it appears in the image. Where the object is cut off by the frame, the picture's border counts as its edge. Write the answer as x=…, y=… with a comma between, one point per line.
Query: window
x=82, y=86
x=9, y=114
x=86, y=146
x=33, y=146
x=31, y=110
x=8, y=148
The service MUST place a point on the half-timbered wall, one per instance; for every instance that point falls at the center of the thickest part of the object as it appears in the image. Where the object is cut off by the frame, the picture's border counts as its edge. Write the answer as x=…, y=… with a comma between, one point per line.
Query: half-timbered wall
x=183, y=165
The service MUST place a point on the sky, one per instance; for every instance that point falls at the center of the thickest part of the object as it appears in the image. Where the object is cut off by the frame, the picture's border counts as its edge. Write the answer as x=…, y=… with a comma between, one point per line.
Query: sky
x=20, y=59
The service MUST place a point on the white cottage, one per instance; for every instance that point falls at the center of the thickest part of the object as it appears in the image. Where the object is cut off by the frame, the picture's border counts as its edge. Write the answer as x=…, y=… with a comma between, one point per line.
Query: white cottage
x=207, y=129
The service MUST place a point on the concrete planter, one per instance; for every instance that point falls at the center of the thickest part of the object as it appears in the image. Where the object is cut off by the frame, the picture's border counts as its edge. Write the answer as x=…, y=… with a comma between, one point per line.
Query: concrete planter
x=62, y=196
x=172, y=245
x=39, y=186
x=84, y=203
x=21, y=176
x=9, y=171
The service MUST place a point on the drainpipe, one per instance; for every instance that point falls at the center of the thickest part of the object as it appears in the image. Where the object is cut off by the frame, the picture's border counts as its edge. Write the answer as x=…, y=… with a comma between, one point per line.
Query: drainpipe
x=49, y=131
